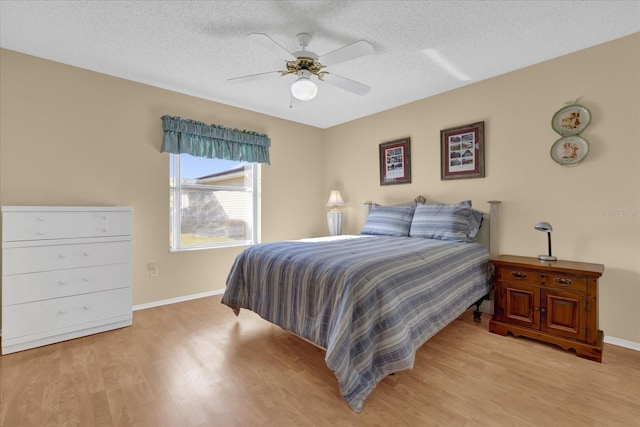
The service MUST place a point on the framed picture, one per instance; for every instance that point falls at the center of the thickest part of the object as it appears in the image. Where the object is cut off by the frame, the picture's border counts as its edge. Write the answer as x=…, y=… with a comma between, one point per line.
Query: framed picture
x=462, y=152
x=395, y=162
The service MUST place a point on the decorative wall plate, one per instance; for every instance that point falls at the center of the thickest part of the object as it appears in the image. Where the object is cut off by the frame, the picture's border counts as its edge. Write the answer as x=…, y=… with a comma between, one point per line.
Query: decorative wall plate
x=569, y=150
x=571, y=120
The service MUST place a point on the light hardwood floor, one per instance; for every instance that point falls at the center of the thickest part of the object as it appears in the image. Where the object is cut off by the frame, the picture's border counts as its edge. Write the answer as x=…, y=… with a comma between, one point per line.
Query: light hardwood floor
x=196, y=364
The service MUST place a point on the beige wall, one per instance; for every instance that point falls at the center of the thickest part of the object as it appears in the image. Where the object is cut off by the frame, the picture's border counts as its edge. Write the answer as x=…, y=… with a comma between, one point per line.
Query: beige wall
x=594, y=207
x=74, y=137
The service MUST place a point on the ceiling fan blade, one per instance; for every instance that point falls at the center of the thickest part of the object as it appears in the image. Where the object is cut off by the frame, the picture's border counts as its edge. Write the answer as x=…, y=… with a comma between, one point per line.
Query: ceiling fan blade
x=347, y=84
x=252, y=77
x=272, y=45
x=348, y=52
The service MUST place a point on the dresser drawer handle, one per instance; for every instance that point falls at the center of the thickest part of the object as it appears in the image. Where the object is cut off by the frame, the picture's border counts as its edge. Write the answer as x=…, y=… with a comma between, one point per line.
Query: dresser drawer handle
x=86, y=307
x=62, y=256
x=563, y=281
x=39, y=233
x=40, y=218
x=85, y=279
x=62, y=311
x=518, y=275
x=105, y=229
x=62, y=282
x=85, y=253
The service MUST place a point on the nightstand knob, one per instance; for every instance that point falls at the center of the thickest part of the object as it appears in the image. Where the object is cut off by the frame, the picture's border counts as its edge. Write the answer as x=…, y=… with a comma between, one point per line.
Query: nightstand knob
x=563, y=281
x=543, y=310
x=518, y=275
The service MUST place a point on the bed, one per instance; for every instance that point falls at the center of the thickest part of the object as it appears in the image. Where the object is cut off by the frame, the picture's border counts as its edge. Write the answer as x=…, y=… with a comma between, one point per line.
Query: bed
x=371, y=300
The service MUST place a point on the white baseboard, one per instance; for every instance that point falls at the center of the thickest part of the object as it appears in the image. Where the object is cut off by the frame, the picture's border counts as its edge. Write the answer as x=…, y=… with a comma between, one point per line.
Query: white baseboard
x=622, y=343
x=176, y=300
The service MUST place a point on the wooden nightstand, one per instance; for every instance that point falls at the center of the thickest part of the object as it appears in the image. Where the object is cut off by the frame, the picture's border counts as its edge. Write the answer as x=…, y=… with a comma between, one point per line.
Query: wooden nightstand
x=551, y=301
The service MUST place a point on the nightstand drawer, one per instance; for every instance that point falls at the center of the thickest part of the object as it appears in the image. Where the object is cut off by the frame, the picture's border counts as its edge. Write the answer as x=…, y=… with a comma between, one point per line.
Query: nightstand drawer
x=522, y=276
x=543, y=278
x=566, y=282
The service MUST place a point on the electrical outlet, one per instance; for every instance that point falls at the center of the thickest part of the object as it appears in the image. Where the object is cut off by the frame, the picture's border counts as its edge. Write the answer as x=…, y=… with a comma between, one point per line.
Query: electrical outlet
x=153, y=269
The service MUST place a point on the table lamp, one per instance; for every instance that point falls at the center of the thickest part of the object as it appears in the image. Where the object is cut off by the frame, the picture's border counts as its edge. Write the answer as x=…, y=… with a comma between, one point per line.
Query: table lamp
x=546, y=227
x=334, y=216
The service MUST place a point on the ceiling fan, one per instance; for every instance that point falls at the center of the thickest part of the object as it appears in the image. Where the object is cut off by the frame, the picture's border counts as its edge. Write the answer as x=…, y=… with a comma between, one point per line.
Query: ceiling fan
x=305, y=64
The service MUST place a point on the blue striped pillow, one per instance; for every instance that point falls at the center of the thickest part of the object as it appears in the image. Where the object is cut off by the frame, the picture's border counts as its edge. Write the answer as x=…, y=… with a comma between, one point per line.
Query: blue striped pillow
x=389, y=220
x=443, y=222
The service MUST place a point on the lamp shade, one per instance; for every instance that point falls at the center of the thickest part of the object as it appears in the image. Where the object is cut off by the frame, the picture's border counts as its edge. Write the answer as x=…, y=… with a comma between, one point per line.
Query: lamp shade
x=335, y=199
x=544, y=226
x=303, y=88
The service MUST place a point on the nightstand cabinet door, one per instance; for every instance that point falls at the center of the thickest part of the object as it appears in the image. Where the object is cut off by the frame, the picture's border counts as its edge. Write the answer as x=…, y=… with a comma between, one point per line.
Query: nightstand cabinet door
x=521, y=304
x=564, y=313
x=551, y=301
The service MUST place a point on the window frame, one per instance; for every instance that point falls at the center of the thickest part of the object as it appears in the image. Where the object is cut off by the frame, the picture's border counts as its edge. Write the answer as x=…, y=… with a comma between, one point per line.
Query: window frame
x=175, y=216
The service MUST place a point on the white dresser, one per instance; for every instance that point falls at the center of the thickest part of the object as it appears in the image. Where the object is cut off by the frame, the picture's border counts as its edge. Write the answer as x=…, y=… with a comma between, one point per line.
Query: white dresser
x=66, y=273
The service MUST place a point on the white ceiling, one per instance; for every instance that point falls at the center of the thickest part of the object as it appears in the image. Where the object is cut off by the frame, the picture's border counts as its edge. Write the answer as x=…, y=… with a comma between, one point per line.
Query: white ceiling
x=193, y=47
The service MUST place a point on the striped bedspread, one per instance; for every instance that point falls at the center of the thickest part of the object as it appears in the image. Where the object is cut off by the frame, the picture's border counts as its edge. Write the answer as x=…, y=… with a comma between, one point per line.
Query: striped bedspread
x=370, y=301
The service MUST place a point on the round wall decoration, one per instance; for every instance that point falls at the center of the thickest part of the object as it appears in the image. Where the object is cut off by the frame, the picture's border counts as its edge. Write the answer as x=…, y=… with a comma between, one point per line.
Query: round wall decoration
x=569, y=150
x=571, y=120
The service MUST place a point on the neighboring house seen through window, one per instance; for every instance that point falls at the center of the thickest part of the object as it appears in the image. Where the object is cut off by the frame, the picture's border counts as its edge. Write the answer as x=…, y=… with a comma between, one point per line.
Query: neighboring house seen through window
x=214, y=203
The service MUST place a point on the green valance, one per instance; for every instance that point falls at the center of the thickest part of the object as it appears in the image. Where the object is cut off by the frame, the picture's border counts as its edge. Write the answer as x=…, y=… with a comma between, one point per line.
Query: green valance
x=213, y=141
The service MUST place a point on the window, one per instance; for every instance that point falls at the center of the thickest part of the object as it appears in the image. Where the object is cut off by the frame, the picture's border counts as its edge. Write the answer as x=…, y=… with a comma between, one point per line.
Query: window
x=213, y=202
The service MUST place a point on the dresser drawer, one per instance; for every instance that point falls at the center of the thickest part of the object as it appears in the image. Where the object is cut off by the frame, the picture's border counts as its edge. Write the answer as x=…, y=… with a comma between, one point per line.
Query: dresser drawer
x=34, y=259
x=64, y=313
x=21, y=288
x=17, y=226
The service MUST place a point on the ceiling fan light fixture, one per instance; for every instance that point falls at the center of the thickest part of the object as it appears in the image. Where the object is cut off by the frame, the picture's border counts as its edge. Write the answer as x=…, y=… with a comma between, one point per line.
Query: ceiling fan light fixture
x=303, y=88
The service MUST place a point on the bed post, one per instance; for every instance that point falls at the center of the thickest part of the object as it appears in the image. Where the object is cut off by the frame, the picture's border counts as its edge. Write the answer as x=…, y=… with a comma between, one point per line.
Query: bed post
x=494, y=220
x=494, y=250
x=367, y=208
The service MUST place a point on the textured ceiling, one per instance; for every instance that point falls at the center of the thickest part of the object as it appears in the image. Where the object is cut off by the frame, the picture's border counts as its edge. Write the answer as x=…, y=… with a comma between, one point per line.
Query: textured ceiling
x=193, y=47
